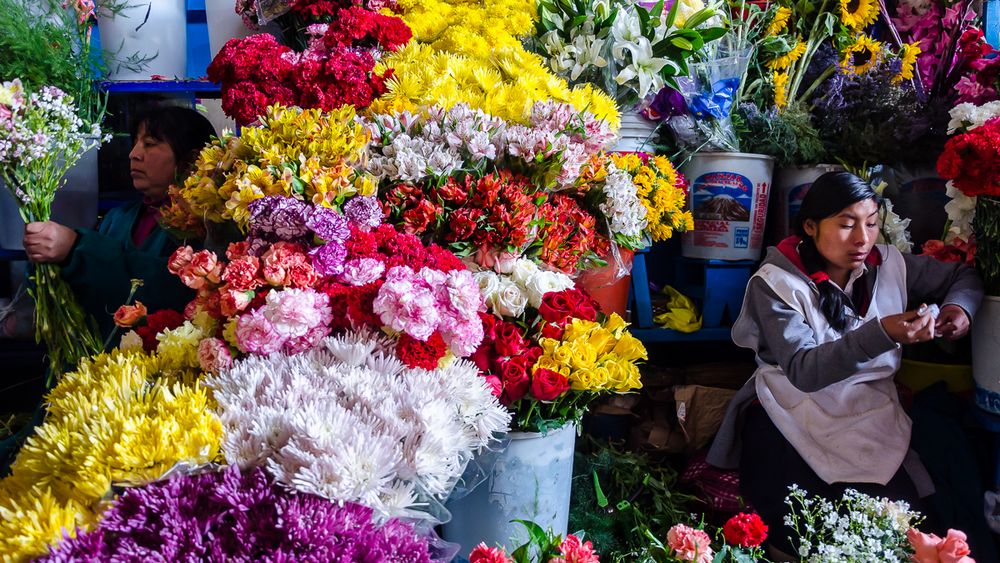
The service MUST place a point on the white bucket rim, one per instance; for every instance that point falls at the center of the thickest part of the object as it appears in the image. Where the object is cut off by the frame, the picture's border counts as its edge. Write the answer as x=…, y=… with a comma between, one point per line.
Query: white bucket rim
x=522, y=435
x=746, y=155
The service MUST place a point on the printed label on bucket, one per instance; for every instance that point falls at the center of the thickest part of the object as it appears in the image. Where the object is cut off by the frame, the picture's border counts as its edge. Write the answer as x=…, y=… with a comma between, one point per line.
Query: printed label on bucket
x=795, y=197
x=728, y=211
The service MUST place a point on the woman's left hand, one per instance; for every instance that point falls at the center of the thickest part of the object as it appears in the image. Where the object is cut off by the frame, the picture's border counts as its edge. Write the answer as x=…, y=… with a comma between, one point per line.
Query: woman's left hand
x=952, y=322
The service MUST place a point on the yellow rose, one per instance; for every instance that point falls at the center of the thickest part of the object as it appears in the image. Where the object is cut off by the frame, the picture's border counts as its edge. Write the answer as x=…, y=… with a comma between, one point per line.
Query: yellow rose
x=563, y=354
x=583, y=355
x=630, y=348
x=547, y=362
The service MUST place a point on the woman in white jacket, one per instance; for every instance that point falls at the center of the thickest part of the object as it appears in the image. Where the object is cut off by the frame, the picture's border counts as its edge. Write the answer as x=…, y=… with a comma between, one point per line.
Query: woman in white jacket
x=826, y=315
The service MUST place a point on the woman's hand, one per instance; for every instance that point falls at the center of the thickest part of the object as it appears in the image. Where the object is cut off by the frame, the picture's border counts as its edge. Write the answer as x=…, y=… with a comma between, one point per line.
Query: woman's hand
x=952, y=323
x=909, y=327
x=48, y=242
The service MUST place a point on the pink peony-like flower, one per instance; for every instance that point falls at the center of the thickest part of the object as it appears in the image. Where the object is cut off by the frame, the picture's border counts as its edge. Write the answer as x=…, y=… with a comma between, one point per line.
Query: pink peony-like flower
x=295, y=312
x=242, y=273
x=929, y=548
x=484, y=554
x=232, y=301
x=689, y=544
x=256, y=335
x=575, y=551
x=280, y=260
x=214, y=356
x=180, y=259
x=463, y=335
x=406, y=303
x=361, y=271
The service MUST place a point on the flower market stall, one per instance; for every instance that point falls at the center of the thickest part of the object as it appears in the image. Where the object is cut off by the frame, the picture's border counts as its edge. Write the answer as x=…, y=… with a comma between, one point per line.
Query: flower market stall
x=410, y=331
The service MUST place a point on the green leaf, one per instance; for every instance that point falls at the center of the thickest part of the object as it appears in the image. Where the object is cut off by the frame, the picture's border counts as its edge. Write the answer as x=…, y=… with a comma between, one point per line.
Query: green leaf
x=602, y=501
x=578, y=21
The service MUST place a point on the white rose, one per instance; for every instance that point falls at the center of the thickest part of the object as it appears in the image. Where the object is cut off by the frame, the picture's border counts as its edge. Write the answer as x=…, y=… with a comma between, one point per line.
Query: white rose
x=545, y=282
x=489, y=283
x=522, y=271
x=509, y=301
x=130, y=341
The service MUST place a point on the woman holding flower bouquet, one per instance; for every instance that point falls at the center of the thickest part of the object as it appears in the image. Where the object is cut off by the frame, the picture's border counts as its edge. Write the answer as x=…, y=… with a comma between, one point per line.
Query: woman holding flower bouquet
x=826, y=315
x=129, y=244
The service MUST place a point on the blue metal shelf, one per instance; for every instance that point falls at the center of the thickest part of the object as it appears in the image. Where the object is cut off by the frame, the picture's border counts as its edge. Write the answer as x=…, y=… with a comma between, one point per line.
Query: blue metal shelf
x=204, y=88
x=649, y=335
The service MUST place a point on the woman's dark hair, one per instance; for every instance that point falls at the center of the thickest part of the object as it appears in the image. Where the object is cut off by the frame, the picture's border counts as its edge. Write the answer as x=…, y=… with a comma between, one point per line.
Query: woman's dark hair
x=828, y=196
x=184, y=129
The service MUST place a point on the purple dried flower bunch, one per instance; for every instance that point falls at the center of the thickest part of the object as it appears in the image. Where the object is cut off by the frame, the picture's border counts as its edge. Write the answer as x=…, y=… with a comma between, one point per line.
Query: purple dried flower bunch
x=234, y=517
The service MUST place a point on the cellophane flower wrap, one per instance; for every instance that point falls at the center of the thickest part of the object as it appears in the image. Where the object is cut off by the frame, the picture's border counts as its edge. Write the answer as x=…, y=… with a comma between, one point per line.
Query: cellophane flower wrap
x=41, y=138
x=547, y=352
x=328, y=60
x=308, y=155
x=485, y=187
x=971, y=164
x=238, y=516
x=121, y=417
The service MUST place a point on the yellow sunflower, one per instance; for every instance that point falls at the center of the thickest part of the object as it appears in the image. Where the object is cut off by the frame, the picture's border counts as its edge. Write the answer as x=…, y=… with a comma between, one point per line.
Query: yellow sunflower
x=908, y=60
x=786, y=60
x=858, y=14
x=860, y=56
x=780, y=21
x=780, y=89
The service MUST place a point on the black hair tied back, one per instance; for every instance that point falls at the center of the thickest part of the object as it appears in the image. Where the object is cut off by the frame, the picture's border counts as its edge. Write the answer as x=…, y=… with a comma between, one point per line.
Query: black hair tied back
x=828, y=196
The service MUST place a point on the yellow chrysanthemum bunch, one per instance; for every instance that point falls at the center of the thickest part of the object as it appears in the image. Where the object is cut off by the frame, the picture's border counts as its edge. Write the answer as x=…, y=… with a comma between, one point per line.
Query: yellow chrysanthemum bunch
x=595, y=357
x=661, y=191
x=471, y=53
x=115, y=419
x=306, y=154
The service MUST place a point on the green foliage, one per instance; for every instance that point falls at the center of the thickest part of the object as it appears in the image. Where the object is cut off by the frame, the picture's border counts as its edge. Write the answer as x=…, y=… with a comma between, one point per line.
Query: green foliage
x=42, y=44
x=620, y=498
x=987, y=228
x=789, y=135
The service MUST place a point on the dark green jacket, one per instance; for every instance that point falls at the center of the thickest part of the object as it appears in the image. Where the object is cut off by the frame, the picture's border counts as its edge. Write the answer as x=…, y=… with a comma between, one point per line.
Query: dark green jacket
x=102, y=264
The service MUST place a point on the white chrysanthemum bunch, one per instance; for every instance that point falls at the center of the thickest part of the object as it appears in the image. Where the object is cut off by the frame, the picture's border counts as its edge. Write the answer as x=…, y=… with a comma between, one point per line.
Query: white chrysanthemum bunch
x=855, y=528
x=519, y=284
x=349, y=422
x=969, y=116
x=625, y=213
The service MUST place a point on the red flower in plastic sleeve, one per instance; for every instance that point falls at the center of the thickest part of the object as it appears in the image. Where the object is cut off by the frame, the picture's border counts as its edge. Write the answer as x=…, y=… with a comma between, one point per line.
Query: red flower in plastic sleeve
x=128, y=315
x=484, y=554
x=546, y=384
x=745, y=530
x=509, y=341
x=180, y=259
x=515, y=381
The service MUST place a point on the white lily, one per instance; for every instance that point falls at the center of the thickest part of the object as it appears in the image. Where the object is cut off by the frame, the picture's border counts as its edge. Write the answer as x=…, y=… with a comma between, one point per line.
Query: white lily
x=644, y=66
x=560, y=54
x=626, y=29
x=588, y=53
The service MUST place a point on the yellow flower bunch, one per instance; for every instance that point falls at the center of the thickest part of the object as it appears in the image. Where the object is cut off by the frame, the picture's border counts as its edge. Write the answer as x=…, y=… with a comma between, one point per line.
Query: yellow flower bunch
x=595, y=357
x=115, y=419
x=474, y=29
x=471, y=53
x=661, y=191
x=306, y=154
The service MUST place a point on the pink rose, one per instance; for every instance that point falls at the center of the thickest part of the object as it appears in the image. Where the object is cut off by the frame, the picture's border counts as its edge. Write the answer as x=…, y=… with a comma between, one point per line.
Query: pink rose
x=180, y=259
x=954, y=548
x=689, y=544
x=929, y=548
x=214, y=356
x=496, y=386
x=128, y=315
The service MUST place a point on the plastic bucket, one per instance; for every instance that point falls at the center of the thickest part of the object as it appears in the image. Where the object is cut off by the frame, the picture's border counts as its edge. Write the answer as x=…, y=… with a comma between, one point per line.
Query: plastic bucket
x=75, y=204
x=727, y=194
x=223, y=24
x=604, y=285
x=531, y=480
x=986, y=354
x=636, y=133
x=791, y=184
x=150, y=30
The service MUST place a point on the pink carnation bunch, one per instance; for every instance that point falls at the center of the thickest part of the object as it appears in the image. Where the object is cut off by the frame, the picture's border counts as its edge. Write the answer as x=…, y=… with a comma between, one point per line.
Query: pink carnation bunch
x=292, y=321
x=690, y=544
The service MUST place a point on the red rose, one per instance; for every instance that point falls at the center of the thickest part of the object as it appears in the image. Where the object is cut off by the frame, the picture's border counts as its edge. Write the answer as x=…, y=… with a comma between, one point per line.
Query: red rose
x=557, y=306
x=496, y=386
x=745, y=530
x=509, y=340
x=483, y=357
x=515, y=381
x=546, y=385
x=552, y=331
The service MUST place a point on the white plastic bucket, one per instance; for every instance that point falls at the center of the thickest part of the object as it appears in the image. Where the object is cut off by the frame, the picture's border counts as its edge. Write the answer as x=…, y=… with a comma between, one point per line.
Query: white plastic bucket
x=986, y=354
x=636, y=133
x=531, y=480
x=223, y=24
x=146, y=29
x=727, y=194
x=75, y=204
x=791, y=184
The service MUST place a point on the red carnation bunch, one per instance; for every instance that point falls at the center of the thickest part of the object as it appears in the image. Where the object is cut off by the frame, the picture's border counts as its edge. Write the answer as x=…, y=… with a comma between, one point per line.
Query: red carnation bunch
x=972, y=160
x=335, y=69
x=745, y=530
x=160, y=321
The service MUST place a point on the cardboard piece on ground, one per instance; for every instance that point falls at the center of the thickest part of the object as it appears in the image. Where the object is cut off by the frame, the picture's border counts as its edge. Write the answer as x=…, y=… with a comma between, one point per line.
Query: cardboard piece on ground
x=700, y=411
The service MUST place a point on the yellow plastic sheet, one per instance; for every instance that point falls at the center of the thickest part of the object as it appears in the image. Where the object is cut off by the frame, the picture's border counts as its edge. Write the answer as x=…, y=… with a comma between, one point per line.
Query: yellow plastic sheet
x=681, y=314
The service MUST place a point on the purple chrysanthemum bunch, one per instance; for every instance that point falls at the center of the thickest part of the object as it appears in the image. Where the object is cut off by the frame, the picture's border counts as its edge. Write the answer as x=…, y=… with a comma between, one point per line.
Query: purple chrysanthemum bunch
x=233, y=516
